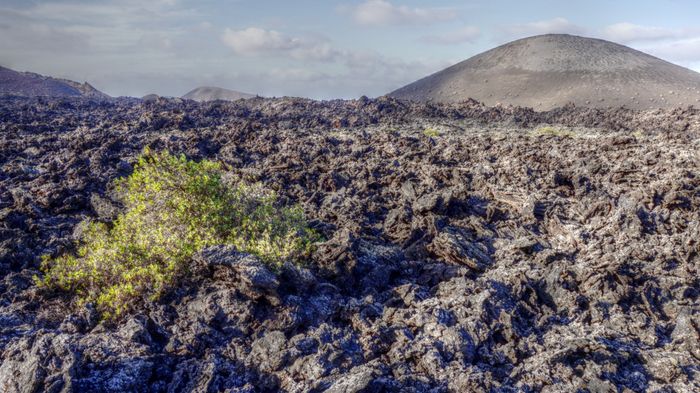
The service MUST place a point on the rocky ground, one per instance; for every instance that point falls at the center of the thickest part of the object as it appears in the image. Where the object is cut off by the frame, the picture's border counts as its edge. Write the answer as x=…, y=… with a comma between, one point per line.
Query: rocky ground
x=469, y=248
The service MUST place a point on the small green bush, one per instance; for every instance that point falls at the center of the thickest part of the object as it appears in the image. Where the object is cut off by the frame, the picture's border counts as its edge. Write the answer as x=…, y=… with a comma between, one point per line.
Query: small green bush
x=174, y=207
x=431, y=132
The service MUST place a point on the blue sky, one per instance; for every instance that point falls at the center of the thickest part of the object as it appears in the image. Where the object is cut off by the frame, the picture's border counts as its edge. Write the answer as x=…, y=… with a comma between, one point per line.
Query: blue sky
x=319, y=49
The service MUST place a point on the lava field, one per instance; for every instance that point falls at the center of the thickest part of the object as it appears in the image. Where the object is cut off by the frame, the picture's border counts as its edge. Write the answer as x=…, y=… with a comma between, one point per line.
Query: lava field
x=467, y=249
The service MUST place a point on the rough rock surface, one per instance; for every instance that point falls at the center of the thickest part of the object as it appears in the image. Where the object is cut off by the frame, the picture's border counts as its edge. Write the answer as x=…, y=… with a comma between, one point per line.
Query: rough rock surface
x=493, y=257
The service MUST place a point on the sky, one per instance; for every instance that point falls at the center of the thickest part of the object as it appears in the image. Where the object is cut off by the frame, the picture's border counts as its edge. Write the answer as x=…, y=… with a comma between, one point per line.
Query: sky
x=318, y=49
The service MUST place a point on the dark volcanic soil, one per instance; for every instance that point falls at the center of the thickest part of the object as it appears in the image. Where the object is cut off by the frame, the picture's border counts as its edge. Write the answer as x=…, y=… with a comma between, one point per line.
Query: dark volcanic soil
x=498, y=256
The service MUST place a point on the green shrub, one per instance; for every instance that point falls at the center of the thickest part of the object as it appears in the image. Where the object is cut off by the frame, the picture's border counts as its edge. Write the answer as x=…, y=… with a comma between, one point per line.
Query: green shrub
x=431, y=132
x=174, y=207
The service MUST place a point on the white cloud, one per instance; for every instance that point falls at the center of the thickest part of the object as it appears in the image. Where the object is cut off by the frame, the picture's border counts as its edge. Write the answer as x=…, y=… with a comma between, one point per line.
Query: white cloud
x=685, y=51
x=383, y=13
x=255, y=41
x=463, y=35
x=92, y=28
x=20, y=33
x=98, y=41
x=551, y=26
x=679, y=45
x=627, y=32
x=168, y=47
x=351, y=72
x=115, y=13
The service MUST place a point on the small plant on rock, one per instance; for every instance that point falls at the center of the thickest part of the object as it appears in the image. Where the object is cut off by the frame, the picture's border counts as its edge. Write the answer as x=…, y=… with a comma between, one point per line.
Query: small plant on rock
x=174, y=207
x=431, y=132
x=638, y=134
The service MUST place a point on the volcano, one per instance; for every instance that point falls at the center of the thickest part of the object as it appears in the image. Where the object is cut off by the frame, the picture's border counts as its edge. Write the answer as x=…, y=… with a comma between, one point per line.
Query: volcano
x=550, y=71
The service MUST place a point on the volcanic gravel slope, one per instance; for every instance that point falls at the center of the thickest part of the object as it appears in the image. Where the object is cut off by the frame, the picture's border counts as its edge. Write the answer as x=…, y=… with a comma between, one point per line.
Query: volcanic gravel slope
x=549, y=71
x=515, y=251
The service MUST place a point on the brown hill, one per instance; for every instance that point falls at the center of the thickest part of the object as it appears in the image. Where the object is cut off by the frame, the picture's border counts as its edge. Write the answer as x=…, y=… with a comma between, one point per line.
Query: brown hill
x=29, y=84
x=549, y=71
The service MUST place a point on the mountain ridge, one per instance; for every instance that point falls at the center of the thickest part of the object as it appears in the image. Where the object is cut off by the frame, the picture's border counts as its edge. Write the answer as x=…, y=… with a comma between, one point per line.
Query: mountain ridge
x=30, y=84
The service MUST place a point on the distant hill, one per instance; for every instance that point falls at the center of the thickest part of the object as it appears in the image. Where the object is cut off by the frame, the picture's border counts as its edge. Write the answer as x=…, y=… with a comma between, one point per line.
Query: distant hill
x=206, y=93
x=549, y=71
x=29, y=84
x=150, y=97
